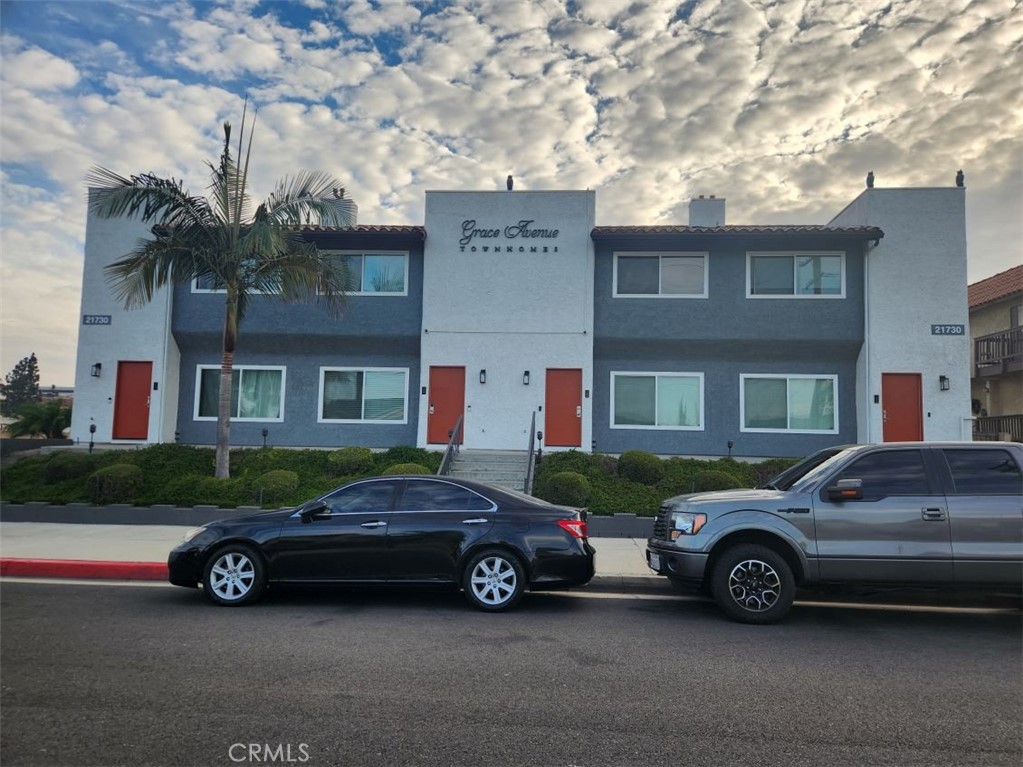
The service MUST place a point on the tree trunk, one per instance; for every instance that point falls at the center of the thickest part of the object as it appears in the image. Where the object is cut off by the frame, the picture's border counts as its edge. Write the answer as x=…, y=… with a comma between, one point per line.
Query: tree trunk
x=223, y=470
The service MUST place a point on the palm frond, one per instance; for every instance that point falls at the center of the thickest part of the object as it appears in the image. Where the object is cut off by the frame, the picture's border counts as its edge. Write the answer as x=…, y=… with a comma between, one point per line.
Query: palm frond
x=145, y=197
x=306, y=193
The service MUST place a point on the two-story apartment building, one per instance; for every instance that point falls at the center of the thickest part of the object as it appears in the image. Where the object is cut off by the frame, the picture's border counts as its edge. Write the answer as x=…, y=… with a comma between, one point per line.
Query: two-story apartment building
x=511, y=308
x=996, y=332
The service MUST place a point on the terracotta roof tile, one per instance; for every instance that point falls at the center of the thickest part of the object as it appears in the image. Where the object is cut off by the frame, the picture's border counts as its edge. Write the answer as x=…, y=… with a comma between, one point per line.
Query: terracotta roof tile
x=997, y=287
x=367, y=228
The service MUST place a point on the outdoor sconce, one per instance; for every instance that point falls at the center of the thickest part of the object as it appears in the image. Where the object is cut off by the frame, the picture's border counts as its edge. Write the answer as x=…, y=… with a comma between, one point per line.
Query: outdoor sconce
x=943, y=383
x=525, y=378
x=96, y=369
x=483, y=375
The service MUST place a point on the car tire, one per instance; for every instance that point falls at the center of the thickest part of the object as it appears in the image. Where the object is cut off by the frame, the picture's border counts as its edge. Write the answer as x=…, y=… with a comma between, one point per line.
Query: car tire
x=234, y=575
x=753, y=584
x=493, y=580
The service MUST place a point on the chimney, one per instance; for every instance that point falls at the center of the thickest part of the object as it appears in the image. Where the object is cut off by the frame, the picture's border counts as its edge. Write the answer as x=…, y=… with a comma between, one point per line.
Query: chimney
x=707, y=211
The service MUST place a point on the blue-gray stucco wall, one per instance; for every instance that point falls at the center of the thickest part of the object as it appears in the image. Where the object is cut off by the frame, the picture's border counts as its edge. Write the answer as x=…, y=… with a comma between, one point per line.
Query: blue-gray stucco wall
x=723, y=336
x=373, y=331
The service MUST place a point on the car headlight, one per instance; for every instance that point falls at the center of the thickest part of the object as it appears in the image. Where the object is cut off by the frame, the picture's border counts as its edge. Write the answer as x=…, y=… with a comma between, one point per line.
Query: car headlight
x=686, y=523
x=190, y=534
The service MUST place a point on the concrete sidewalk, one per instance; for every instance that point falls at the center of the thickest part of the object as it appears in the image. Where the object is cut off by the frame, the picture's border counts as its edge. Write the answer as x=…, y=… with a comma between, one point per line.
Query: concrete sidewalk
x=139, y=552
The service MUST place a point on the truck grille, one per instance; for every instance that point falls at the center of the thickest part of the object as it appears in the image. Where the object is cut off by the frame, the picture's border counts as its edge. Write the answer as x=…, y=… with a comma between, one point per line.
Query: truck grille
x=661, y=524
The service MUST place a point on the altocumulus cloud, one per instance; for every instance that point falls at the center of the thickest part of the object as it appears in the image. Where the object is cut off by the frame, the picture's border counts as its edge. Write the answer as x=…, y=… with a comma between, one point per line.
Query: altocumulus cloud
x=781, y=106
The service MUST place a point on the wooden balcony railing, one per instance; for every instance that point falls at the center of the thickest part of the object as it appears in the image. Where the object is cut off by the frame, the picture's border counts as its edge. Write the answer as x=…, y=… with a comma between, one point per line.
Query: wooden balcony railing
x=999, y=352
x=990, y=427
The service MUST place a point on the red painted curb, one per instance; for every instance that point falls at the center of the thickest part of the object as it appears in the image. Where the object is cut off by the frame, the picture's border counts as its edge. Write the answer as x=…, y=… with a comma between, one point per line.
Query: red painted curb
x=83, y=568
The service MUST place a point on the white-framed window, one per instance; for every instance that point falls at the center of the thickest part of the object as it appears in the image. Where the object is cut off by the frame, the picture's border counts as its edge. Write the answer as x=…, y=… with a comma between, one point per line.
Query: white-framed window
x=363, y=395
x=257, y=393
x=641, y=400
x=817, y=274
x=373, y=273
x=206, y=285
x=794, y=404
x=660, y=275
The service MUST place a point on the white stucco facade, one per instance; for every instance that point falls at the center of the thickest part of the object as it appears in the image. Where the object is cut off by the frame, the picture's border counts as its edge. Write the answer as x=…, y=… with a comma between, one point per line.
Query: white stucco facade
x=109, y=335
x=509, y=276
x=915, y=279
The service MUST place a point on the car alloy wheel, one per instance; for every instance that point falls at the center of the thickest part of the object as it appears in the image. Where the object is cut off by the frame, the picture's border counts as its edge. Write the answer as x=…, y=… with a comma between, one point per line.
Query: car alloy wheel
x=493, y=581
x=234, y=576
x=753, y=583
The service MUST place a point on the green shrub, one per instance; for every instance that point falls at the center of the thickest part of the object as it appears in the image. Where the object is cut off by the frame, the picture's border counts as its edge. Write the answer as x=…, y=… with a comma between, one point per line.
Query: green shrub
x=619, y=496
x=275, y=486
x=764, y=470
x=711, y=479
x=406, y=468
x=119, y=483
x=252, y=463
x=350, y=460
x=590, y=465
x=641, y=466
x=406, y=454
x=202, y=490
x=63, y=465
x=567, y=488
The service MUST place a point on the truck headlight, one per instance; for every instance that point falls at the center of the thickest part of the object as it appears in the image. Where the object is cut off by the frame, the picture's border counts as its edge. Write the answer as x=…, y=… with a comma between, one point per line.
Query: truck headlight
x=685, y=523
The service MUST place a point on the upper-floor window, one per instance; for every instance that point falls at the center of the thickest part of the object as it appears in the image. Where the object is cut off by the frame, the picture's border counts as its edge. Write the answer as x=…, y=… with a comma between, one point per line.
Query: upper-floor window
x=374, y=273
x=795, y=275
x=666, y=275
x=366, y=395
x=257, y=393
x=789, y=403
x=657, y=400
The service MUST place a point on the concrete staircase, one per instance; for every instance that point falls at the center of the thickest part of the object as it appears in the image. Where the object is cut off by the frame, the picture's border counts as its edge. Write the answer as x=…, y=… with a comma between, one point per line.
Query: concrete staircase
x=504, y=468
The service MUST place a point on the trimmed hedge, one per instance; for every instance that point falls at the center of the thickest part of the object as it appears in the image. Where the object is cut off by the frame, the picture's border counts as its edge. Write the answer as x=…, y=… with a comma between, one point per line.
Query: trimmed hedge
x=641, y=466
x=350, y=460
x=119, y=483
x=712, y=479
x=567, y=488
x=406, y=468
x=276, y=486
x=66, y=465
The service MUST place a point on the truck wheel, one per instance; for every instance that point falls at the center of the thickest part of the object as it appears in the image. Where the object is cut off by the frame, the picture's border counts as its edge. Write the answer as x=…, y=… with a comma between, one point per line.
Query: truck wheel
x=753, y=584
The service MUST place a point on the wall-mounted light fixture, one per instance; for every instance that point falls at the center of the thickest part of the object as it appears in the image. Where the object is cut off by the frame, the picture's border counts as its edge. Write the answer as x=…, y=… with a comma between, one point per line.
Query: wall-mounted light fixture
x=96, y=370
x=483, y=375
x=525, y=378
x=943, y=383
x=265, y=432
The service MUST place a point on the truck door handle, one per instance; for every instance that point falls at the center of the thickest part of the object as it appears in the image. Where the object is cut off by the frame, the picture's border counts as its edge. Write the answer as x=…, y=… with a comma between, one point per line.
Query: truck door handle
x=933, y=514
x=374, y=524
x=476, y=521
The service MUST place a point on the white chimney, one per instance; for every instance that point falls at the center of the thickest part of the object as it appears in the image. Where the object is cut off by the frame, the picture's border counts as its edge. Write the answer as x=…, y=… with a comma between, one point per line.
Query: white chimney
x=707, y=211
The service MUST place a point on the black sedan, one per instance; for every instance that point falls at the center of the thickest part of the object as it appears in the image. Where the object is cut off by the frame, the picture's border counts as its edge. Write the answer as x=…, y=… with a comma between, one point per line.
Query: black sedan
x=491, y=542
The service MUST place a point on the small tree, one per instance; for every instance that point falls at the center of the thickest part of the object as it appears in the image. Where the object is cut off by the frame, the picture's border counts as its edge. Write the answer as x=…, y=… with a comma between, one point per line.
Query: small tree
x=46, y=418
x=20, y=387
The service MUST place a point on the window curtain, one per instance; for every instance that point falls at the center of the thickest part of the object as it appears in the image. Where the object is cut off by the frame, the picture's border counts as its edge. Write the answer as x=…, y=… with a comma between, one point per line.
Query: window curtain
x=259, y=395
x=342, y=395
x=678, y=401
x=812, y=404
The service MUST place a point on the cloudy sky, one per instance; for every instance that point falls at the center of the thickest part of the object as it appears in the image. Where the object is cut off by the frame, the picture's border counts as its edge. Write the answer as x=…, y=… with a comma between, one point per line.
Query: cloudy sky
x=781, y=106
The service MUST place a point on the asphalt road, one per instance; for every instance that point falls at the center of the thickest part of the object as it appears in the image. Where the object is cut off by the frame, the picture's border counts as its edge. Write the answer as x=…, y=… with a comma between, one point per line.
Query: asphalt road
x=153, y=675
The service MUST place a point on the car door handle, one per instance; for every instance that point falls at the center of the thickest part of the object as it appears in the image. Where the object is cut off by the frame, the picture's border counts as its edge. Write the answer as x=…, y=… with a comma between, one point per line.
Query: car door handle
x=374, y=524
x=476, y=521
x=933, y=514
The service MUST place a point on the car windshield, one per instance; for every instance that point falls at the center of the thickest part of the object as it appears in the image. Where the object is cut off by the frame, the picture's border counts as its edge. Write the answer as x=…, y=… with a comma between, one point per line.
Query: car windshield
x=812, y=476
x=791, y=475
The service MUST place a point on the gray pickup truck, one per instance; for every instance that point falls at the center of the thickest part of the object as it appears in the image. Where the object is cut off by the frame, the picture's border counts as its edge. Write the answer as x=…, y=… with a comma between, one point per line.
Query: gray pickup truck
x=908, y=514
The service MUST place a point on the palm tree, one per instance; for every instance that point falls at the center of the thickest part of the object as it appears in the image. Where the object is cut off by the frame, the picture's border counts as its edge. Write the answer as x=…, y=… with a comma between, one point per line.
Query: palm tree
x=46, y=418
x=220, y=240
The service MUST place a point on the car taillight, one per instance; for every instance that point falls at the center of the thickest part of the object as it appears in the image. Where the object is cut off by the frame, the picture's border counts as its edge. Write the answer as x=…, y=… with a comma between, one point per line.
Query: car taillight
x=574, y=527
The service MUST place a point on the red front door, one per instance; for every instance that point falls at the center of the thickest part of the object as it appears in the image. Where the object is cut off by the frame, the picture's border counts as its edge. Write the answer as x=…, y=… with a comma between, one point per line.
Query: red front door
x=902, y=407
x=446, y=403
x=131, y=400
x=564, y=408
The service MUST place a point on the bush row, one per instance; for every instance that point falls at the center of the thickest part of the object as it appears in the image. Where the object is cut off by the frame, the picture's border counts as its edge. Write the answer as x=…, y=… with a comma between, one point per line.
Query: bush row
x=181, y=475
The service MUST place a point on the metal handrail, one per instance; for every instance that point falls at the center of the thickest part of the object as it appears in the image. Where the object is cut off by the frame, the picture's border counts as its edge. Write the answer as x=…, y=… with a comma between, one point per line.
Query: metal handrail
x=527, y=486
x=452, y=449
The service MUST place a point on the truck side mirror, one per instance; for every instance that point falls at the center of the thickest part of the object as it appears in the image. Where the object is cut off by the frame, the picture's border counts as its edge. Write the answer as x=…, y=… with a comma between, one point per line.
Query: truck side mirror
x=846, y=490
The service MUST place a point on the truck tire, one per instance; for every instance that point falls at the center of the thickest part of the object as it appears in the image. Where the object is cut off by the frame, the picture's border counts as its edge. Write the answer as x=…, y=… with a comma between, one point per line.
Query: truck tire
x=753, y=584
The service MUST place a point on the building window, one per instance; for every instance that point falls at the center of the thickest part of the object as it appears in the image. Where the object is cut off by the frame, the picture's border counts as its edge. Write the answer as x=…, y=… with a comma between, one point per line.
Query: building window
x=665, y=275
x=657, y=401
x=795, y=275
x=363, y=395
x=376, y=274
x=257, y=393
x=796, y=404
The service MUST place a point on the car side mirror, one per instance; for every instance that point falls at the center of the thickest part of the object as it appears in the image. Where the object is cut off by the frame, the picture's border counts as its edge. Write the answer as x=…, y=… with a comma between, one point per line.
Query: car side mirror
x=316, y=510
x=846, y=490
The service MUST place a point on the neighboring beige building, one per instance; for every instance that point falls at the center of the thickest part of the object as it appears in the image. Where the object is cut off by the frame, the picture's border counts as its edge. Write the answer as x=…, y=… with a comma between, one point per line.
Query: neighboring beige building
x=996, y=332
